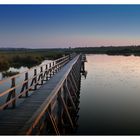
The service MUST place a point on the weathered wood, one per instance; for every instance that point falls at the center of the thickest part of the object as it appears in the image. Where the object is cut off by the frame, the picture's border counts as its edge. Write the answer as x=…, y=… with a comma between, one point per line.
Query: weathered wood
x=24, y=85
x=72, y=102
x=53, y=123
x=35, y=79
x=30, y=113
x=46, y=73
x=71, y=85
x=45, y=105
x=12, y=94
x=74, y=81
x=67, y=112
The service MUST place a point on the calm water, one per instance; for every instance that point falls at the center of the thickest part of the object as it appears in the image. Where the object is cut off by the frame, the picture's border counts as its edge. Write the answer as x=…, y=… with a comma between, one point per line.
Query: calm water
x=7, y=84
x=22, y=69
x=110, y=96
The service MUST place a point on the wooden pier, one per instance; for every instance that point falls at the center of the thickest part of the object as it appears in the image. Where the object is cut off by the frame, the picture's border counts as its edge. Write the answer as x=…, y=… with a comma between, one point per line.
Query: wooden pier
x=44, y=103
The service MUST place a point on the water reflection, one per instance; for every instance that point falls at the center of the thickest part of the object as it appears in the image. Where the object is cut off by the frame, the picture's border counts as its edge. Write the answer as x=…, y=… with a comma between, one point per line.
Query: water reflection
x=84, y=74
x=21, y=69
x=110, y=96
x=7, y=84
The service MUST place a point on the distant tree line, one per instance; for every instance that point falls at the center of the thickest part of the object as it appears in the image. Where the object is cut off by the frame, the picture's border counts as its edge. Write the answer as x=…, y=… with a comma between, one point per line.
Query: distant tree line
x=17, y=57
x=116, y=50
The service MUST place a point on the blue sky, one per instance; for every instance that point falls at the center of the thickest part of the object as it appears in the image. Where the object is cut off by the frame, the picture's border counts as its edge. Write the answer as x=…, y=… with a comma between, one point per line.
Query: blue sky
x=47, y=26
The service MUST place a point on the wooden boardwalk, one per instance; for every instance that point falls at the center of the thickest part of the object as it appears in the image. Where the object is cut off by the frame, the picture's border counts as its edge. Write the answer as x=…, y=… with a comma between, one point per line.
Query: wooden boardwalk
x=26, y=118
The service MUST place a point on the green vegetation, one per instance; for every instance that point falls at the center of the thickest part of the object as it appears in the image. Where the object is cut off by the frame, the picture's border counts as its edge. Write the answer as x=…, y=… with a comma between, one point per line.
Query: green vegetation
x=27, y=57
x=9, y=73
x=110, y=50
x=4, y=64
x=24, y=60
x=31, y=57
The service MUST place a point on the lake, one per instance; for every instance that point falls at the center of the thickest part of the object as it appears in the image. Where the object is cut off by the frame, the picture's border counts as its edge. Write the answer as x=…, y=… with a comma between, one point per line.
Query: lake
x=110, y=96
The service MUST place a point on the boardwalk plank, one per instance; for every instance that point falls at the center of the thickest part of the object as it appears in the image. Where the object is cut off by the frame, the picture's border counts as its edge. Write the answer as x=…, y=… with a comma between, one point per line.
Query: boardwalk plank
x=13, y=120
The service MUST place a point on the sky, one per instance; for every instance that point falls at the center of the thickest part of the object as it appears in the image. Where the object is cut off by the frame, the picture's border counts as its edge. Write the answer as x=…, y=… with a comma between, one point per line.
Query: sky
x=54, y=26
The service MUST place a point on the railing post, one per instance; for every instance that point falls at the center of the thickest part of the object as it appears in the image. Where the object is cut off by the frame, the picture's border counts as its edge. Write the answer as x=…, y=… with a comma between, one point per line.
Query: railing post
x=53, y=67
x=35, y=74
x=60, y=114
x=50, y=70
x=41, y=71
x=26, y=78
x=69, y=57
x=46, y=72
x=52, y=120
x=67, y=111
x=12, y=94
x=58, y=66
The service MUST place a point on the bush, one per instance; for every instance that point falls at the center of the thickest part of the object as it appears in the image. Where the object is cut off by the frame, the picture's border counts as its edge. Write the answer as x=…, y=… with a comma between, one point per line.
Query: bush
x=4, y=65
x=26, y=60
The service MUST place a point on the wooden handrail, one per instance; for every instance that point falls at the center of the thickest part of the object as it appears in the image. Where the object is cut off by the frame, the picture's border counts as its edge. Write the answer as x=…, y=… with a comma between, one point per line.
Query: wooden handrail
x=17, y=75
x=44, y=107
x=17, y=96
x=20, y=84
x=56, y=64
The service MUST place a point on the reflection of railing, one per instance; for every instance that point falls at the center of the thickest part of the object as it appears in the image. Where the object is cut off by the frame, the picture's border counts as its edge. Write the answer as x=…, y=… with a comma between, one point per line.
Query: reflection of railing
x=31, y=83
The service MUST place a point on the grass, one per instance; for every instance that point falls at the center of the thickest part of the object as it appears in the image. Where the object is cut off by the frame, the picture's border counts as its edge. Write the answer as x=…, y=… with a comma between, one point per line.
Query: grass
x=4, y=64
x=9, y=73
x=29, y=58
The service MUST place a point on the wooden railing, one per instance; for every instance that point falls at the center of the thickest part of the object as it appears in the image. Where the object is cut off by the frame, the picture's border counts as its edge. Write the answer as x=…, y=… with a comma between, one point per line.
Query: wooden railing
x=29, y=83
x=63, y=98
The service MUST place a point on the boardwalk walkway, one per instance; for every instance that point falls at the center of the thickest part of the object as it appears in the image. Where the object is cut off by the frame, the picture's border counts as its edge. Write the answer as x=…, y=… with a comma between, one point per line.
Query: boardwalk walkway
x=15, y=121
